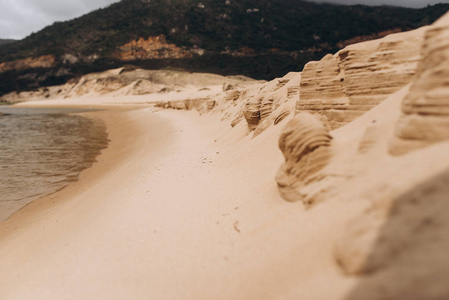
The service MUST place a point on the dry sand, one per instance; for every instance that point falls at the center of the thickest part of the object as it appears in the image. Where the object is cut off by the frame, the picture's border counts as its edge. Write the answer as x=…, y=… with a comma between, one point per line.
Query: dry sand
x=168, y=213
x=184, y=206
x=179, y=206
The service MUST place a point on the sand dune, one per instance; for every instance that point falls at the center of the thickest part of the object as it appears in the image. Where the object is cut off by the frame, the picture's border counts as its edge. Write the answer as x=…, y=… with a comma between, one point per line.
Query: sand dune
x=129, y=82
x=184, y=203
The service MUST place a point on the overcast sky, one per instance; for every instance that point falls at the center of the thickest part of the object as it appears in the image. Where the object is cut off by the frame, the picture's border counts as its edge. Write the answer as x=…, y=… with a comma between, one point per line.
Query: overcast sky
x=19, y=18
x=406, y=3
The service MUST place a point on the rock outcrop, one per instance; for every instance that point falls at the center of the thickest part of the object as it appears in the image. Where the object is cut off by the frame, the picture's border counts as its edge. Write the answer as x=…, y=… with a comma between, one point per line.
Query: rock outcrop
x=425, y=118
x=306, y=145
x=46, y=61
x=155, y=47
x=344, y=86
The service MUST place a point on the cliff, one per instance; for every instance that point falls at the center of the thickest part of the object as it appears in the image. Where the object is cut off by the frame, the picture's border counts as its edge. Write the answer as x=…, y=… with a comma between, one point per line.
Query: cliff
x=46, y=61
x=369, y=139
x=155, y=47
x=344, y=86
x=424, y=120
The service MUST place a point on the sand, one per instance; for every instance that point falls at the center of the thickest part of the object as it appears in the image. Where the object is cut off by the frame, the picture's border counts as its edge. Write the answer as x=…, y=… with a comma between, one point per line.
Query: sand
x=168, y=213
x=181, y=206
x=185, y=205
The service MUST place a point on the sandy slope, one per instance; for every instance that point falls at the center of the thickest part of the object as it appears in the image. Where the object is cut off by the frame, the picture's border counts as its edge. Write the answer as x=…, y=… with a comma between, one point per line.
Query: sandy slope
x=170, y=213
x=180, y=207
x=186, y=206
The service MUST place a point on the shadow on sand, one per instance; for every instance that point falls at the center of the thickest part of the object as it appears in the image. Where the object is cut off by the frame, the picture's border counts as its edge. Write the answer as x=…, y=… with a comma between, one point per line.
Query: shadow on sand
x=410, y=258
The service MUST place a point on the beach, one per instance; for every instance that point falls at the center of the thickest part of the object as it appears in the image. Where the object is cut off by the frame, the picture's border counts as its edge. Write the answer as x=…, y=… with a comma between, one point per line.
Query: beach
x=169, y=212
x=181, y=205
x=325, y=184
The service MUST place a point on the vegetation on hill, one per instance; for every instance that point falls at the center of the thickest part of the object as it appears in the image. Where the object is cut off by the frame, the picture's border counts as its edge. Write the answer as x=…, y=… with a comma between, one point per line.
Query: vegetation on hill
x=258, y=38
x=6, y=41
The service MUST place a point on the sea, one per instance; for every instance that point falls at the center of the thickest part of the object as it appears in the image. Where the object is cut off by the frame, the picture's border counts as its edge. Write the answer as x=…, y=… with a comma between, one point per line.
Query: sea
x=42, y=150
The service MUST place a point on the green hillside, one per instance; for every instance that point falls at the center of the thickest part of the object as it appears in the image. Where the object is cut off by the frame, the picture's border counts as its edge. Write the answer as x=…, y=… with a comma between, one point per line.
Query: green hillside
x=258, y=38
x=6, y=41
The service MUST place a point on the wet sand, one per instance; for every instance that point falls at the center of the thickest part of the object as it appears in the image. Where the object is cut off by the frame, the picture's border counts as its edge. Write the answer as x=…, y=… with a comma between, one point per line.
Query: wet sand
x=42, y=151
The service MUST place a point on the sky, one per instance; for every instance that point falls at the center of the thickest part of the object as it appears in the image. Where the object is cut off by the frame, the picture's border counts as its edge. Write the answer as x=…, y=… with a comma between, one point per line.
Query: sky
x=19, y=18
x=405, y=3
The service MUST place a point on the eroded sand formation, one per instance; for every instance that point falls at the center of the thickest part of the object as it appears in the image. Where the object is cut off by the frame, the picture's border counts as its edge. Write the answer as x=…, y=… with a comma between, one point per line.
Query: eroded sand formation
x=344, y=86
x=340, y=87
x=306, y=145
x=256, y=107
x=388, y=96
x=425, y=109
x=398, y=241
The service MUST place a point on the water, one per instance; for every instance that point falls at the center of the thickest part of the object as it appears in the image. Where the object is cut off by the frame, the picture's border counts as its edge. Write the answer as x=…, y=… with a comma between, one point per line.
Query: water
x=43, y=150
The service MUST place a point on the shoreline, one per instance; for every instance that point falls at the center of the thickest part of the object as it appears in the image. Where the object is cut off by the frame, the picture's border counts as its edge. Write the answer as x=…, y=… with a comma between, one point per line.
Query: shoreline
x=161, y=220
x=29, y=177
x=111, y=157
x=42, y=221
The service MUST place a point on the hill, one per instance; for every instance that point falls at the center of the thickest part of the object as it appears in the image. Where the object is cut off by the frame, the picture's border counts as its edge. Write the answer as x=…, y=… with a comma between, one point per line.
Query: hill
x=6, y=41
x=262, y=39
